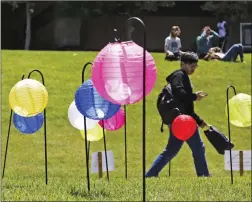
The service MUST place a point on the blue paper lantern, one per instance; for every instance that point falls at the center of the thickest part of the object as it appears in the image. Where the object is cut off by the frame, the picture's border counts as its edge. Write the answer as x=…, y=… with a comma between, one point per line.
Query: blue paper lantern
x=90, y=104
x=28, y=125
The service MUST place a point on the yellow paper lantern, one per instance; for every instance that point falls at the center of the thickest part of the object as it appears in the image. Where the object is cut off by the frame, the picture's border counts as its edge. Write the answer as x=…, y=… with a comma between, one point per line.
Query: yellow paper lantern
x=28, y=97
x=93, y=134
x=240, y=110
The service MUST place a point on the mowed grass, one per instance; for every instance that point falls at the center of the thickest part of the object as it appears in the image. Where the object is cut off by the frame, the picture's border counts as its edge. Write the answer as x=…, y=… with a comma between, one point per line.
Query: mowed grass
x=25, y=176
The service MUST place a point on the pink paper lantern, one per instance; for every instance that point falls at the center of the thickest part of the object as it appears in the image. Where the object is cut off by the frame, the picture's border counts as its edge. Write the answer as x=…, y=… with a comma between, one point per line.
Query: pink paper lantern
x=115, y=122
x=117, y=73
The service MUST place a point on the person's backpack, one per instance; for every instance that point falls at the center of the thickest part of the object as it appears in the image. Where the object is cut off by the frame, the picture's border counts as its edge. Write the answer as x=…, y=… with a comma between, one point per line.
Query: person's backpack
x=167, y=106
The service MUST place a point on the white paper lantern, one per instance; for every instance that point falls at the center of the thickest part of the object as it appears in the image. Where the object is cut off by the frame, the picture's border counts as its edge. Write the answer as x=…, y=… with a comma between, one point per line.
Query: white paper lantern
x=77, y=119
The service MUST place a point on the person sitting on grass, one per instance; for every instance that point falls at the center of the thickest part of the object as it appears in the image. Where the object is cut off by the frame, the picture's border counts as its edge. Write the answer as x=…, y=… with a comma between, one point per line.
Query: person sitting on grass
x=216, y=53
x=173, y=44
x=205, y=41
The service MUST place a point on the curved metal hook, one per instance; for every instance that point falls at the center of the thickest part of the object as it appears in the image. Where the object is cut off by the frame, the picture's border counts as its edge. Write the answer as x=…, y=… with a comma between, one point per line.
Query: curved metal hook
x=142, y=23
x=229, y=131
x=36, y=70
x=84, y=68
x=144, y=100
x=231, y=86
x=45, y=131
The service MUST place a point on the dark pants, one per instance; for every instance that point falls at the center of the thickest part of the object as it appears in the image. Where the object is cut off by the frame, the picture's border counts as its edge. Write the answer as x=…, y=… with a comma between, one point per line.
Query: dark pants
x=175, y=56
x=172, y=148
x=223, y=43
x=233, y=52
x=202, y=55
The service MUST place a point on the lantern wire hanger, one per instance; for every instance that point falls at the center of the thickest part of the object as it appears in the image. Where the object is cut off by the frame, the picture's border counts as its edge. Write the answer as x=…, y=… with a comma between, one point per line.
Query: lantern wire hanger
x=45, y=131
x=144, y=100
x=117, y=39
x=229, y=131
x=87, y=143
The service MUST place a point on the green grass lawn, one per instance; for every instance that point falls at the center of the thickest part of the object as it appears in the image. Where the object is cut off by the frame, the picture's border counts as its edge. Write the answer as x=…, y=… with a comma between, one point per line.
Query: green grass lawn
x=24, y=175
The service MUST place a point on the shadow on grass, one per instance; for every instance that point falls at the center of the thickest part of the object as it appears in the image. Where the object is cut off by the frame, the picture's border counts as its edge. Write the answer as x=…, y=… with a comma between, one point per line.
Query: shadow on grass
x=80, y=192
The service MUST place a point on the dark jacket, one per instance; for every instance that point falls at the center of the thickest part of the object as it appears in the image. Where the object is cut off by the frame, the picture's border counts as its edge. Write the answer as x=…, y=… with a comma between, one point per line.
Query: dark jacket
x=183, y=93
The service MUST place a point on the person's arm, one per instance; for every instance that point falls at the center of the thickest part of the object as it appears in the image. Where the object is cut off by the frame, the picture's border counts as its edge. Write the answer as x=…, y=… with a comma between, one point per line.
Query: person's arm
x=178, y=89
x=202, y=36
x=227, y=29
x=180, y=46
x=166, y=45
x=214, y=34
x=197, y=118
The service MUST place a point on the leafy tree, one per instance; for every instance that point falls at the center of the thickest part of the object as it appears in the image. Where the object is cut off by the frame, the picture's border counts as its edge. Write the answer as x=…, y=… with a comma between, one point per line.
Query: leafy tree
x=233, y=10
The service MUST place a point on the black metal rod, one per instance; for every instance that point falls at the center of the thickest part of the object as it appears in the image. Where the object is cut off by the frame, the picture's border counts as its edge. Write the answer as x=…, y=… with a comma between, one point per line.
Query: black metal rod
x=144, y=99
x=105, y=149
x=7, y=141
x=229, y=132
x=169, y=168
x=45, y=131
x=125, y=142
x=87, y=143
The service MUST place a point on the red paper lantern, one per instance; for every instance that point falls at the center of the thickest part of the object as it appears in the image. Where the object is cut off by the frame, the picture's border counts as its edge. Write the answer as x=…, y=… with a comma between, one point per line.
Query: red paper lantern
x=183, y=127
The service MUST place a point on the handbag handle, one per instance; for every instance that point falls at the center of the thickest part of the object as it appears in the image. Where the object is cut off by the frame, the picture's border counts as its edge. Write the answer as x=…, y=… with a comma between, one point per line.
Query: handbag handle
x=208, y=126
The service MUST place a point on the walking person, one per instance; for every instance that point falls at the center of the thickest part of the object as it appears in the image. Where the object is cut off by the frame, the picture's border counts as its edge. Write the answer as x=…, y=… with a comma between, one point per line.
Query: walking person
x=183, y=93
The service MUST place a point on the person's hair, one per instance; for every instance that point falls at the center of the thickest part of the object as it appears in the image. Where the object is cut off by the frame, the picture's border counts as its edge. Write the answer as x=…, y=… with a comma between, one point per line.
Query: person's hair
x=174, y=29
x=189, y=57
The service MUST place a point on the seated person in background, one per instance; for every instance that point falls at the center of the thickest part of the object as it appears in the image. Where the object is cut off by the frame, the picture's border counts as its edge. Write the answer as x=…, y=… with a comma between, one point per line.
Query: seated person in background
x=231, y=55
x=173, y=44
x=204, y=41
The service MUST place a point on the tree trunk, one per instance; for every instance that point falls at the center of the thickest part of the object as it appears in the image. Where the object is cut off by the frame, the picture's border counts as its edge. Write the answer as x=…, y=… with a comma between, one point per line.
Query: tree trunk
x=28, y=26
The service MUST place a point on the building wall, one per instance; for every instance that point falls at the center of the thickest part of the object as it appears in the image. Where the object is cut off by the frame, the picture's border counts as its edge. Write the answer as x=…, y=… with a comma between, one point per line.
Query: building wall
x=100, y=31
x=51, y=33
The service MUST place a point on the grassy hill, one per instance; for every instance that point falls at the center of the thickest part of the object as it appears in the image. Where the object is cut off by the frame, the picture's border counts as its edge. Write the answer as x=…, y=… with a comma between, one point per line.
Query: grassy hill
x=24, y=176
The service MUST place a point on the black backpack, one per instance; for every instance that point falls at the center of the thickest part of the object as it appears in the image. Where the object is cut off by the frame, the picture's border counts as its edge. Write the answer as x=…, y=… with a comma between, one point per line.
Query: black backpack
x=167, y=106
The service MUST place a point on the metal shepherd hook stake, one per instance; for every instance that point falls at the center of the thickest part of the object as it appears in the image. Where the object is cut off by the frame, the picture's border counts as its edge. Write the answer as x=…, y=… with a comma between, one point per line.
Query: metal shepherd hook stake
x=229, y=131
x=45, y=131
x=8, y=137
x=87, y=143
x=144, y=96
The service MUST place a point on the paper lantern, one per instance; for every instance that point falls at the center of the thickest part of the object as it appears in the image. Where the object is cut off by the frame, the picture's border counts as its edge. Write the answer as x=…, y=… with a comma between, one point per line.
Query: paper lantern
x=93, y=134
x=115, y=122
x=240, y=110
x=28, y=97
x=77, y=119
x=28, y=125
x=117, y=72
x=183, y=127
x=91, y=104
